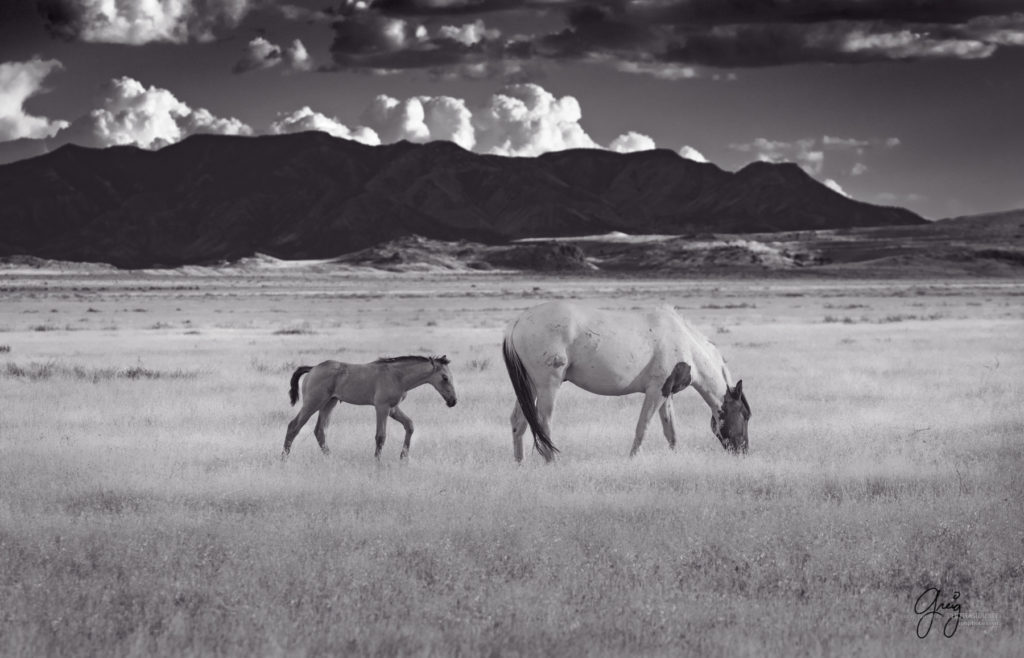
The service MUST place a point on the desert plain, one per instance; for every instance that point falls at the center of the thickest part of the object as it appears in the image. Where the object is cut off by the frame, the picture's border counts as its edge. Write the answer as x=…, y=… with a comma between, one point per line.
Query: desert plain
x=144, y=509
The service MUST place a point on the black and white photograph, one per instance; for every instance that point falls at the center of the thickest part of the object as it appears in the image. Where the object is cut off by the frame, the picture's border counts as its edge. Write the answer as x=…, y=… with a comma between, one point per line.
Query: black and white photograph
x=507, y=328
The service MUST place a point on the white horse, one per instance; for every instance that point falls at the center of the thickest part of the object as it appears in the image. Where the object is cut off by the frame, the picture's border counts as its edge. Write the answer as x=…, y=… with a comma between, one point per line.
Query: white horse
x=654, y=352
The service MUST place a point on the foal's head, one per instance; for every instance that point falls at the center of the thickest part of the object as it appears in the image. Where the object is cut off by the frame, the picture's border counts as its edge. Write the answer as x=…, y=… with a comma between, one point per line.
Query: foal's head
x=441, y=379
x=730, y=423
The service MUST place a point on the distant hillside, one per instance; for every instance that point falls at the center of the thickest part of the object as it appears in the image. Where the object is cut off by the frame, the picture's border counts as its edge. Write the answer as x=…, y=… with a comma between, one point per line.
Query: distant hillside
x=310, y=195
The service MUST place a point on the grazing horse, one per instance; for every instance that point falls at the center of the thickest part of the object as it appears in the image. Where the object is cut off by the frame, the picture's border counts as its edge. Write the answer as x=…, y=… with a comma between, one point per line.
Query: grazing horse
x=383, y=383
x=654, y=352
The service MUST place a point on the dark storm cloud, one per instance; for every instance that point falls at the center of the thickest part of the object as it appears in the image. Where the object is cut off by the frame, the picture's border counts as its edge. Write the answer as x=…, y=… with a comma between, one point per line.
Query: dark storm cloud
x=658, y=37
x=374, y=41
x=139, y=22
x=668, y=38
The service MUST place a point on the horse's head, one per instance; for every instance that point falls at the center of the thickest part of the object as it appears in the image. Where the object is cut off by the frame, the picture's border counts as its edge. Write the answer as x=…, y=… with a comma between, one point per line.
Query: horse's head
x=730, y=423
x=441, y=379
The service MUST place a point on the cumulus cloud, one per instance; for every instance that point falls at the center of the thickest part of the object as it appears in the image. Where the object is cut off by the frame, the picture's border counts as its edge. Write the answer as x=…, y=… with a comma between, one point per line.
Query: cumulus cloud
x=421, y=119
x=260, y=53
x=138, y=22
x=149, y=117
x=631, y=142
x=297, y=58
x=305, y=119
x=835, y=187
x=527, y=120
x=691, y=153
x=19, y=81
x=810, y=152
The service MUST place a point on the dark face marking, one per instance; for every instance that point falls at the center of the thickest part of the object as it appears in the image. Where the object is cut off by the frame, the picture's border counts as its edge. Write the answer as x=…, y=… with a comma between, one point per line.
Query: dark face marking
x=677, y=380
x=730, y=423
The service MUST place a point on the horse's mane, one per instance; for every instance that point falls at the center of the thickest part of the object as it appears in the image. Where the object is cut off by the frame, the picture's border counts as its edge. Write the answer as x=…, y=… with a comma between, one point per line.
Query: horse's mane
x=443, y=360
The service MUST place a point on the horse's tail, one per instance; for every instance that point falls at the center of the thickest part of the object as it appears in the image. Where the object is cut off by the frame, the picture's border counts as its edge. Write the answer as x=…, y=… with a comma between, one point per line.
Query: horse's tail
x=294, y=391
x=525, y=394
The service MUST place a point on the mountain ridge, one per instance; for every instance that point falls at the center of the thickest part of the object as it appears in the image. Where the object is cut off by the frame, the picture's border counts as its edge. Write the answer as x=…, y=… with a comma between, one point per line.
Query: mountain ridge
x=309, y=195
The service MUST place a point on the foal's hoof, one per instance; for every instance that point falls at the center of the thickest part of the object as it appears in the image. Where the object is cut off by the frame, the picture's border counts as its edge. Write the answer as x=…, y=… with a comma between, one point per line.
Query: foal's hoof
x=284, y=456
x=326, y=451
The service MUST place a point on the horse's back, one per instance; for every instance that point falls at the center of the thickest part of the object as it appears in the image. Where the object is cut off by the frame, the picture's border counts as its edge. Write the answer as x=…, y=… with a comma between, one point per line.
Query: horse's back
x=602, y=351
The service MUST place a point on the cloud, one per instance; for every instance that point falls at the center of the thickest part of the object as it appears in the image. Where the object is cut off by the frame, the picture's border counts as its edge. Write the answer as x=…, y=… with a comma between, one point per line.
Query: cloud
x=519, y=120
x=810, y=152
x=305, y=119
x=137, y=22
x=631, y=142
x=691, y=153
x=19, y=81
x=835, y=187
x=802, y=151
x=260, y=53
x=672, y=39
x=131, y=113
x=297, y=58
x=421, y=119
x=527, y=120
x=468, y=34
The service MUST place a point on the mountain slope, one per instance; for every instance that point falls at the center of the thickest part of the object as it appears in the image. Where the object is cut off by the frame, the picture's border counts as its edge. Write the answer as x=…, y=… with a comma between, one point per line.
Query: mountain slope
x=310, y=195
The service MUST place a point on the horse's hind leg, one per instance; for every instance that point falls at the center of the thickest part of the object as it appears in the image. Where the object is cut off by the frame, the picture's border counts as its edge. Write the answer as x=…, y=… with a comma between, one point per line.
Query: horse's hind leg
x=300, y=419
x=652, y=400
x=546, y=396
x=322, y=421
x=519, y=426
x=668, y=422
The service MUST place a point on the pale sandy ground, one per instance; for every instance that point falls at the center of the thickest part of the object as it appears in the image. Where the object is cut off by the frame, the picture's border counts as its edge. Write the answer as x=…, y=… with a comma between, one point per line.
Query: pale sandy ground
x=143, y=509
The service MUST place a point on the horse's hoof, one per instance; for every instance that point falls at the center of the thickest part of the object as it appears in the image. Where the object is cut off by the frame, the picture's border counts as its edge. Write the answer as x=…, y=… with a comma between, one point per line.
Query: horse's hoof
x=284, y=456
x=326, y=451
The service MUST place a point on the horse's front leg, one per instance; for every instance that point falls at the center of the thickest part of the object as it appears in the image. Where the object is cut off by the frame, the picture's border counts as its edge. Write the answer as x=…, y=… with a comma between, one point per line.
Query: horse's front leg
x=382, y=427
x=652, y=401
x=406, y=422
x=668, y=422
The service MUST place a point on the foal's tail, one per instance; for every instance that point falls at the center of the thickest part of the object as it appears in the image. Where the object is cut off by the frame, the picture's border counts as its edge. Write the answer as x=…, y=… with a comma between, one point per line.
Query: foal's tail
x=299, y=372
x=526, y=396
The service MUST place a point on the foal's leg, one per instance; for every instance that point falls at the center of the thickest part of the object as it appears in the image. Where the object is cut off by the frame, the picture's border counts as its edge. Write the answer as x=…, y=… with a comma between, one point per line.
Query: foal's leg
x=406, y=422
x=309, y=407
x=668, y=422
x=652, y=400
x=382, y=428
x=322, y=421
x=519, y=426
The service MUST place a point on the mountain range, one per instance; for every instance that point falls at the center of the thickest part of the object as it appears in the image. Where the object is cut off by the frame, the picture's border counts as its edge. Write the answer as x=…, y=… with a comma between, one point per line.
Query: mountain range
x=210, y=198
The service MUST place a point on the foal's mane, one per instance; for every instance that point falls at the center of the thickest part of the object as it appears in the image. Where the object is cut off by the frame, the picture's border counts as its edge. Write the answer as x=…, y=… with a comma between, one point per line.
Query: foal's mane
x=443, y=360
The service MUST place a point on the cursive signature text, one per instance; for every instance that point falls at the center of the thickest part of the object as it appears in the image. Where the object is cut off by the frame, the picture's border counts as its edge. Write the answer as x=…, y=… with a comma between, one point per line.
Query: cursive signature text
x=928, y=606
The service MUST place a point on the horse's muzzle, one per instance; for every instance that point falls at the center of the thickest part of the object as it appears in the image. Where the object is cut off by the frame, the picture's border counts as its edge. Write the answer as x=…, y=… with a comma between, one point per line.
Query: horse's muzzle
x=451, y=403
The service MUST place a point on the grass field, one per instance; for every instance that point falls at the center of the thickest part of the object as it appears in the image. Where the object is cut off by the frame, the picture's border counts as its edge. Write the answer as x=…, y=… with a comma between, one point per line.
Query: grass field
x=144, y=510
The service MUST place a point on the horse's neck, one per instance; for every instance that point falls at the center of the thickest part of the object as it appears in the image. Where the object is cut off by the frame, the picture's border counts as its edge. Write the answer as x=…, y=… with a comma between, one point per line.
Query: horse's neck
x=710, y=382
x=415, y=374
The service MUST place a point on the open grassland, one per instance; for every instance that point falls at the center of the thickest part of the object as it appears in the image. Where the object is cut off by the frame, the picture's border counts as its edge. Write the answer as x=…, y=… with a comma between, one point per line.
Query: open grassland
x=143, y=508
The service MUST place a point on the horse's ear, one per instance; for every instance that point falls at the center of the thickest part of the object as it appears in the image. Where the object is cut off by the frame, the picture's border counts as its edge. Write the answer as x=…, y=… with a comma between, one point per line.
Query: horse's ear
x=737, y=391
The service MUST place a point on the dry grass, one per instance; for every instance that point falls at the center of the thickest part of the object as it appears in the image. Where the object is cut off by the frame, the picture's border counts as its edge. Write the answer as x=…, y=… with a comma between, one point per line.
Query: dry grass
x=150, y=515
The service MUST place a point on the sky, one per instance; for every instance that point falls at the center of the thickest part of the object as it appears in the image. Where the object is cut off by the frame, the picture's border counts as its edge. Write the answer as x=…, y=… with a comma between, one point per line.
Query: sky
x=916, y=103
